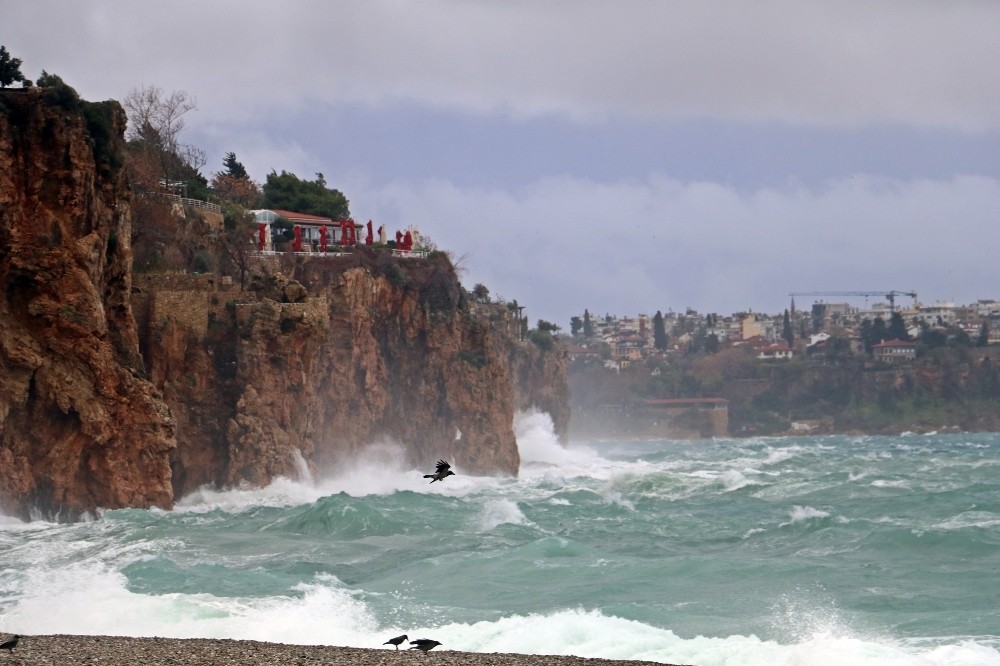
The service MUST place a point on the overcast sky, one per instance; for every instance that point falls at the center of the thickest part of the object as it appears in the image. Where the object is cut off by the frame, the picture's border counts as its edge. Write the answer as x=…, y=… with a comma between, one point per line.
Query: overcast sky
x=623, y=157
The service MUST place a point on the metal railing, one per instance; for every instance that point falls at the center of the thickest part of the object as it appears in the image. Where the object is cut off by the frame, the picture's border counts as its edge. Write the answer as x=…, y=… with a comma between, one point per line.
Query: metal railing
x=194, y=203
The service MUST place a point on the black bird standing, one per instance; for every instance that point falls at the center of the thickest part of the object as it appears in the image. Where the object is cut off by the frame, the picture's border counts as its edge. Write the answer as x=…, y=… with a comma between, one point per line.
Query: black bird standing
x=10, y=643
x=424, y=644
x=396, y=641
x=443, y=470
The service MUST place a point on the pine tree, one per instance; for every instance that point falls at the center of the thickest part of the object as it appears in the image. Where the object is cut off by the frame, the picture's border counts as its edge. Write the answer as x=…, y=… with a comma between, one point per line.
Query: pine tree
x=659, y=332
x=786, y=329
x=233, y=167
x=588, y=326
x=10, y=68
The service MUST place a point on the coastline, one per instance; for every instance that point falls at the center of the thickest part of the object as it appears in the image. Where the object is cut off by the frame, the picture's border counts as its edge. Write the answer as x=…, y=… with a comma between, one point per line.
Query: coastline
x=59, y=649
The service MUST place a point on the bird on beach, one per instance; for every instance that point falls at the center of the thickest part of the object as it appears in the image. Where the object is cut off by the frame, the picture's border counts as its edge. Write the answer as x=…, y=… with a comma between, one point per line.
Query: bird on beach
x=443, y=469
x=397, y=640
x=424, y=644
x=10, y=643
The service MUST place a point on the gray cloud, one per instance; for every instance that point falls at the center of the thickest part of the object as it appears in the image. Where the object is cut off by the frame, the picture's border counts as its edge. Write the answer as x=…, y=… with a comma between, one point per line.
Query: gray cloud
x=566, y=244
x=829, y=63
x=570, y=148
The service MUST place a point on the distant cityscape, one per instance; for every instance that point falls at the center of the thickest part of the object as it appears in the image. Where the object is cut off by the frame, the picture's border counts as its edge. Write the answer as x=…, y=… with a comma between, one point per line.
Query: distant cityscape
x=891, y=330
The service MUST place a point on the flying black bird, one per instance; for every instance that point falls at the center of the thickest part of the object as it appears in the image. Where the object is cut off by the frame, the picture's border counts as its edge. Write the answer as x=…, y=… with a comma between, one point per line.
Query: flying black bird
x=424, y=644
x=10, y=643
x=443, y=470
x=396, y=641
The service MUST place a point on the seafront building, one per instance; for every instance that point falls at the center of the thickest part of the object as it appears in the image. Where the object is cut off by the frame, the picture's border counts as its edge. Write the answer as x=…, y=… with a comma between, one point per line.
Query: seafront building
x=633, y=338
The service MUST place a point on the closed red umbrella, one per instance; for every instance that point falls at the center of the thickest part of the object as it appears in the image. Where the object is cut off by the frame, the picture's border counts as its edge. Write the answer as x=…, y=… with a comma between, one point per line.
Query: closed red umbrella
x=370, y=238
x=322, y=239
x=261, y=236
x=297, y=243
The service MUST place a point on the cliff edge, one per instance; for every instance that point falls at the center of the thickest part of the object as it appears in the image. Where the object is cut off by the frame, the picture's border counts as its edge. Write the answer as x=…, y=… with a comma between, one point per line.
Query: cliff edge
x=79, y=426
x=321, y=357
x=121, y=390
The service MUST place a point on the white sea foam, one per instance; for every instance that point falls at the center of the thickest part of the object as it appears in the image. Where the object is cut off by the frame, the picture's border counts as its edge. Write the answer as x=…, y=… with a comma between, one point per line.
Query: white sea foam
x=733, y=480
x=499, y=512
x=96, y=601
x=970, y=519
x=539, y=446
x=883, y=483
x=776, y=456
x=380, y=469
x=802, y=514
x=595, y=635
x=69, y=579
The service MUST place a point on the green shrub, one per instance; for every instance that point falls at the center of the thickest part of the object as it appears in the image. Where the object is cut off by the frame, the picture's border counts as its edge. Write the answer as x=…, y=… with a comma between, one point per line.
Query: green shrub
x=58, y=92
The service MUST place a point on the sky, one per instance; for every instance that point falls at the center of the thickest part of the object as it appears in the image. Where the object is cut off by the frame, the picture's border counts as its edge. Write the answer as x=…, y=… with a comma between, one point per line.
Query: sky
x=621, y=157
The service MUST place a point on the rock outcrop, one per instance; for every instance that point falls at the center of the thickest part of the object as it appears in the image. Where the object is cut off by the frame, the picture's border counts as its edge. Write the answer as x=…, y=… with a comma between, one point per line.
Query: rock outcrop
x=348, y=352
x=79, y=426
x=129, y=391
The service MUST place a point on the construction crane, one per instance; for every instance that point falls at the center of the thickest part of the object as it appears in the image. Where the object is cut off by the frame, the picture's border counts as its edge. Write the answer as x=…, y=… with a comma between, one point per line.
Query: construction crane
x=888, y=295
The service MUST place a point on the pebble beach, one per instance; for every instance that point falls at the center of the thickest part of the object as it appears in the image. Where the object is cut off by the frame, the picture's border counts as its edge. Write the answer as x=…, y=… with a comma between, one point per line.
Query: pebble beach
x=62, y=650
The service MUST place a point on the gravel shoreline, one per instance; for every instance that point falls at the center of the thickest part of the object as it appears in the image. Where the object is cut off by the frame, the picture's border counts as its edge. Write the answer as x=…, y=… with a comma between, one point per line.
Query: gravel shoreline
x=60, y=650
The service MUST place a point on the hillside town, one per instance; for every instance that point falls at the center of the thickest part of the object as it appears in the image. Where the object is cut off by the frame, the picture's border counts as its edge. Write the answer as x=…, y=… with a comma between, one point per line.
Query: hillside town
x=886, y=331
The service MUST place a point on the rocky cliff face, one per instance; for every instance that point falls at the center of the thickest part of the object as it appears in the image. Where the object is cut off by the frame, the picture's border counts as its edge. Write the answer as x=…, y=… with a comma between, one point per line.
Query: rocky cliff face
x=114, y=394
x=352, y=351
x=79, y=426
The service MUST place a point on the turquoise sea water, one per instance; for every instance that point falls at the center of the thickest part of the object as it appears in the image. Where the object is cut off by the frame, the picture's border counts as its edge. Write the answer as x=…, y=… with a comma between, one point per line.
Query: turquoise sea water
x=818, y=550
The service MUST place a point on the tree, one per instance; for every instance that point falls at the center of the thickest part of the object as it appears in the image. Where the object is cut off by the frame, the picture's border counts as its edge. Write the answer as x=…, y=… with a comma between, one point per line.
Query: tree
x=58, y=92
x=234, y=168
x=481, y=293
x=575, y=325
x=547, y=326
x=242, y=191
x=234, y=184
x=879, y=332
x=983, y=339
x=897, y=328
x=236, y=243
x=286, y=191
x=873, y=332
x=660, y=339
x=786, y=329
x=588, y=326
x=155, y=122
x=10, y=68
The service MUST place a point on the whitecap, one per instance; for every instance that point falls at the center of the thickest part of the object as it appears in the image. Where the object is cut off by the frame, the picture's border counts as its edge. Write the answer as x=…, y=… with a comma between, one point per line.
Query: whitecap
x=499, y=512
x=801, y=514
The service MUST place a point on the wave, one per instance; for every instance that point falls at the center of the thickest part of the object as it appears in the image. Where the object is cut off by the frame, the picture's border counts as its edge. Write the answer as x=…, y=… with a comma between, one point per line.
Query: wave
x=805, y=514
x=323, y=612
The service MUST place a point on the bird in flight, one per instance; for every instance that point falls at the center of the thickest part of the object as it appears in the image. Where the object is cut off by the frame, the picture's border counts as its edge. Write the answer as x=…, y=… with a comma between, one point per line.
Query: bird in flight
x=424, y=644
x=396, y=641
x=443, y=470
x=11, y=643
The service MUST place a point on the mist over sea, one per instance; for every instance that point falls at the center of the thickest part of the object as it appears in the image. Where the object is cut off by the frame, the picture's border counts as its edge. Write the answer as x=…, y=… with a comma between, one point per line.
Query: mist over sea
x=813, y=550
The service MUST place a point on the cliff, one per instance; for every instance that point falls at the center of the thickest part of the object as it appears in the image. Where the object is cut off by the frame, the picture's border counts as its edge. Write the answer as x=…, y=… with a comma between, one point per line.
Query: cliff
x=129, y=391
x=79, y=426
x=324, y=356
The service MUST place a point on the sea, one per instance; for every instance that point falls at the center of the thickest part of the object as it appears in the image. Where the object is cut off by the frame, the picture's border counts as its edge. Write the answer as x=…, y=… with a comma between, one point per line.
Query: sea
x=843, y=550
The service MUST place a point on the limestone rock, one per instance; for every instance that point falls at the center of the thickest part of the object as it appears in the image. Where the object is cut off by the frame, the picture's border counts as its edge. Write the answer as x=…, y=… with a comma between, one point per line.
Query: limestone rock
x=80, y=429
